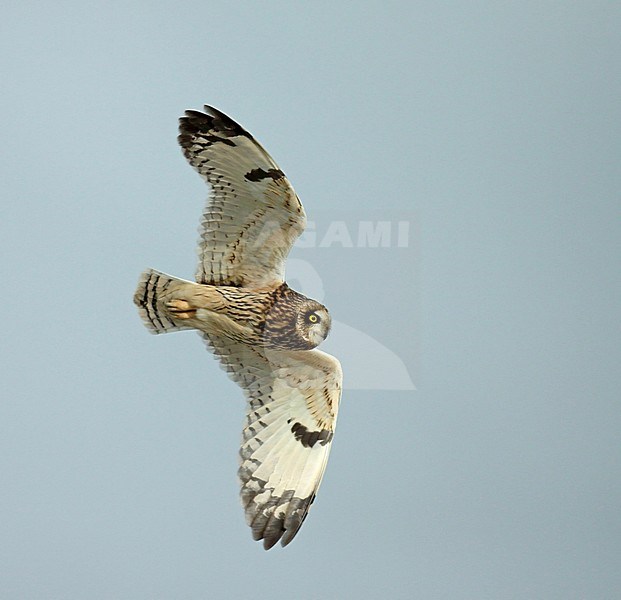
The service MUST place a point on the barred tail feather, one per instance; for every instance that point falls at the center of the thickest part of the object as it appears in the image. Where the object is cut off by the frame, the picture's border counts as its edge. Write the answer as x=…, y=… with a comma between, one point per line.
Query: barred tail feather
x=147, y=298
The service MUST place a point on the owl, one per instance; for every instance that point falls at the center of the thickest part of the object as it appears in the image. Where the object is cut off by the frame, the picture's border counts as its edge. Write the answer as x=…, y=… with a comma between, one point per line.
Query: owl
x=263, y=332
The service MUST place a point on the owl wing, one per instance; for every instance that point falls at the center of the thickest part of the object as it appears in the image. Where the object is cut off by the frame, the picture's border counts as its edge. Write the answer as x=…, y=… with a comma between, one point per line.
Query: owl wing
x=293, y=399
x=253, y=215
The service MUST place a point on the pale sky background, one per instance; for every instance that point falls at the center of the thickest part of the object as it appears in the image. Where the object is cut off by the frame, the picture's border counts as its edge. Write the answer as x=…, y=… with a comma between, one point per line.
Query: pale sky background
x=497, y=124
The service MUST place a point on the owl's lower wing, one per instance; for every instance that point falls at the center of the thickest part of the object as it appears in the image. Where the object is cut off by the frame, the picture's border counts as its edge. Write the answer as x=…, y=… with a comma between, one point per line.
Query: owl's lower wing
x=293, y=400
x=253, y=215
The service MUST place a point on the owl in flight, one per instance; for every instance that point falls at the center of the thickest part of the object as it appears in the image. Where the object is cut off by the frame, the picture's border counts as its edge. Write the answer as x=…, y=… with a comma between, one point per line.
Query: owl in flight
x=263, y=332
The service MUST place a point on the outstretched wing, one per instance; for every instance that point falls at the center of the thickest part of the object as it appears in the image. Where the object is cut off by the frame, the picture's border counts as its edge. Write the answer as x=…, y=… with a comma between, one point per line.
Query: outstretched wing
x=293, y=400
x=253, y=215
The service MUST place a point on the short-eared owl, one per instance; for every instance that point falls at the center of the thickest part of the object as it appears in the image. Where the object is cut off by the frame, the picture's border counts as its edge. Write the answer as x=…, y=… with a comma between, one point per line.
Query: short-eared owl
x=263, y=332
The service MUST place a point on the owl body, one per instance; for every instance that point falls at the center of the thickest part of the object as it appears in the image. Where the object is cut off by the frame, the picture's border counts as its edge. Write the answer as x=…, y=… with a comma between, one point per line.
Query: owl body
x=276, y=319
x=263, y=333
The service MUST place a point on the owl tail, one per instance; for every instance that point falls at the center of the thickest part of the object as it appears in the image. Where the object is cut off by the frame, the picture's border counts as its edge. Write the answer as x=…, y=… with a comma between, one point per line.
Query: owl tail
x=152, y=287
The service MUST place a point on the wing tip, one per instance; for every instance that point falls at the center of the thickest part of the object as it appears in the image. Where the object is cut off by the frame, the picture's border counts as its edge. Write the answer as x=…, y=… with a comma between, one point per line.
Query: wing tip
x=212, y=122
x=271, y=525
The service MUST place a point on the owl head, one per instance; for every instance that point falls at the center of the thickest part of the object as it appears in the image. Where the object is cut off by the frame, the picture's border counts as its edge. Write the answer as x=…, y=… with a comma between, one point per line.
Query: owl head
x=295, y=322
x=313, y=323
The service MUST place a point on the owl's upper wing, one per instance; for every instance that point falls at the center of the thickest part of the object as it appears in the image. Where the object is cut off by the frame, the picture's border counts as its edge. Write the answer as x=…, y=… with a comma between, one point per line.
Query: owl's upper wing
x=293, y=399
x=253, y=215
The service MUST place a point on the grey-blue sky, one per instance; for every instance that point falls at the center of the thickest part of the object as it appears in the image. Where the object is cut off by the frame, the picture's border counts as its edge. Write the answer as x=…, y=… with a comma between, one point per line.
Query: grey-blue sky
x=497, y=123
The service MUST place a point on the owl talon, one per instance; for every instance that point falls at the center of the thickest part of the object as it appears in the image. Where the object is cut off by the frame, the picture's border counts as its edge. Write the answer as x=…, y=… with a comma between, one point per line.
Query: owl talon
x=180, y=309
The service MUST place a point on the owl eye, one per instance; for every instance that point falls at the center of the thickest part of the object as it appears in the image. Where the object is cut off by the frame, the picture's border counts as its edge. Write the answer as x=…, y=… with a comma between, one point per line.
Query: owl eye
x=313, y=318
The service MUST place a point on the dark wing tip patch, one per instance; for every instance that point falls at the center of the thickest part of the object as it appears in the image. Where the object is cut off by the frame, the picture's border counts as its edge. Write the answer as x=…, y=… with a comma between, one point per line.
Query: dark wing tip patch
x=212, y=125
x=273, y=525
x=224, y=123
x=278, y=518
